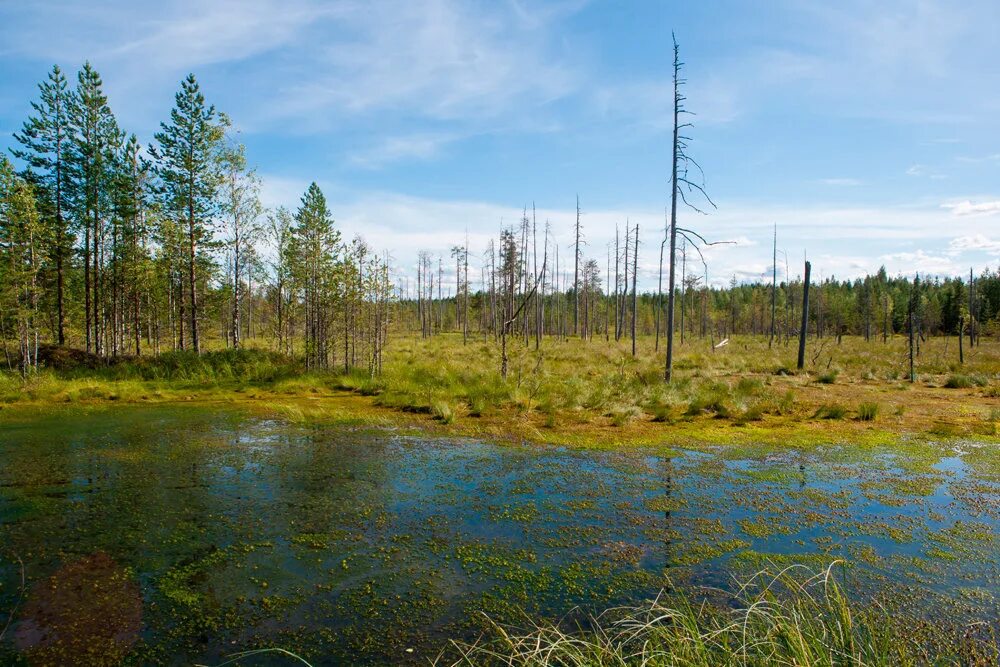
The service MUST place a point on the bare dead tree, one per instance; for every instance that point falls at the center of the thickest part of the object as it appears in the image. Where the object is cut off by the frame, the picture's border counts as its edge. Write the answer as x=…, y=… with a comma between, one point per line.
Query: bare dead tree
x=803, y=329
x=774, y=282
x=635, y=271
x=681, y=185
x=576, y=270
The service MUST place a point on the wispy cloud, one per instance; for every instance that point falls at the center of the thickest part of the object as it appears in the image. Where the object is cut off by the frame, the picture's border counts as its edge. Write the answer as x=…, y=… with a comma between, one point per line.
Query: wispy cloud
x=975, y=242
x=967, y=208
x=923, y=171
x=409, y=147
x=439, y=59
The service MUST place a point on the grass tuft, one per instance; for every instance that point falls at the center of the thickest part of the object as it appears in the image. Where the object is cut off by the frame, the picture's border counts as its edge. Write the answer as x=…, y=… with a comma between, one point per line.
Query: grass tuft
x=867, y=411
x=831, y=411
x=793, y=617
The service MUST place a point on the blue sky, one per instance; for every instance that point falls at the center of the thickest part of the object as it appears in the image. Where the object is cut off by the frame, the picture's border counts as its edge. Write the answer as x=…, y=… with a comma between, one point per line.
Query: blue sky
x=869, y=132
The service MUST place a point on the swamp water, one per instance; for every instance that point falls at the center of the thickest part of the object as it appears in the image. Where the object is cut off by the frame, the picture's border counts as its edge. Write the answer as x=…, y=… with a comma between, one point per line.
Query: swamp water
x=185, y=534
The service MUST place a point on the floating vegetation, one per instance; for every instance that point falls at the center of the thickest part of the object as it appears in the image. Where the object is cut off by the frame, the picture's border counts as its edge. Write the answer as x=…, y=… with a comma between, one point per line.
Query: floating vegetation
x=350, y=544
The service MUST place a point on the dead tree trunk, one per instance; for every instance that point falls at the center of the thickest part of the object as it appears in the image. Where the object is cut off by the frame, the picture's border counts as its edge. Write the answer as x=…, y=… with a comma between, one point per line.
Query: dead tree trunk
x=805, y=319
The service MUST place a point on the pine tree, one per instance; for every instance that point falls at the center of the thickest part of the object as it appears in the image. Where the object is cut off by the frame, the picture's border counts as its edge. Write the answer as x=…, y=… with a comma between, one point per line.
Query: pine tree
x=314, y=249
x=130, y=248
x=188, y=168
x=45, y=144
x=95, y=138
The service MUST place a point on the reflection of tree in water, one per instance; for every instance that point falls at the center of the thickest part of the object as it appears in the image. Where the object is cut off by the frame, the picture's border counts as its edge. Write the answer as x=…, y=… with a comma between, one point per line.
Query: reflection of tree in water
x=668, y=471
x=88, y=612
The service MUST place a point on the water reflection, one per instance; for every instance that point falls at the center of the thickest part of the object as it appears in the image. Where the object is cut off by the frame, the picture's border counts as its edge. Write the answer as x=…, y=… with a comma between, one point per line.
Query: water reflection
x=214, y=532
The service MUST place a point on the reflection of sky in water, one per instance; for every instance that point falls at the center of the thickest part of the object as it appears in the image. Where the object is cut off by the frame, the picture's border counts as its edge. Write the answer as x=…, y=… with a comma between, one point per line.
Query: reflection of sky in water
x=268, y=529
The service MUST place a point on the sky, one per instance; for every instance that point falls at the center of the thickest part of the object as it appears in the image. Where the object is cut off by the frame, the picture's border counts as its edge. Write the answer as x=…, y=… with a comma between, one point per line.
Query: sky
x=867, y=132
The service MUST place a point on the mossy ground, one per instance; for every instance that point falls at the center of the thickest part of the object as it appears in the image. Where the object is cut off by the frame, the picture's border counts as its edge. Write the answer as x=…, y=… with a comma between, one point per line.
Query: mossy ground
x=587, y=393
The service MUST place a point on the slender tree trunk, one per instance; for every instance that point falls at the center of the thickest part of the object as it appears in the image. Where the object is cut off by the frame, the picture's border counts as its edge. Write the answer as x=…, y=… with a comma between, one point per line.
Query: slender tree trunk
x=192, y=278
x=774, y=283
x=961, y=337
x=805, y=319
x=635, y=296
x=576, y=269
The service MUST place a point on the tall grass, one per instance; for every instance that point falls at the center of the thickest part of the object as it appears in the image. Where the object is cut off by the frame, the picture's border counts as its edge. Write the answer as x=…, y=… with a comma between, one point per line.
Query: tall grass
x=790, y=618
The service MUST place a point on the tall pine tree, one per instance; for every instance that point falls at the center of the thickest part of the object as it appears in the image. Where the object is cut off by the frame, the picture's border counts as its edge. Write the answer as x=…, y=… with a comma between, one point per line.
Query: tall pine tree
x=45, y=143
x=314, y=248
x=186, y=163
x=95, y=140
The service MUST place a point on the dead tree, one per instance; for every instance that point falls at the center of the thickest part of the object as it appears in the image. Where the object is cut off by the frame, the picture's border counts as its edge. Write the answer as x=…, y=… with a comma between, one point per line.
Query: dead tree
x=805, y=319
x=576, y=270
x=679, y=176
x=635, y=270
x=774, y=283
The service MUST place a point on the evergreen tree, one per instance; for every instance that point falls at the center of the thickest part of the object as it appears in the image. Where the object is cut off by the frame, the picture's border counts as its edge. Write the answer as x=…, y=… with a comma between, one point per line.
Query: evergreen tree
x=186, y=163
x=95, y=139
x=314, y=250
x=45, y=146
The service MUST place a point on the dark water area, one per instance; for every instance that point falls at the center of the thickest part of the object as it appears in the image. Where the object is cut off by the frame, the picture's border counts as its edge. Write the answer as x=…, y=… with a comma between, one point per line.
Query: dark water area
x=186, y=534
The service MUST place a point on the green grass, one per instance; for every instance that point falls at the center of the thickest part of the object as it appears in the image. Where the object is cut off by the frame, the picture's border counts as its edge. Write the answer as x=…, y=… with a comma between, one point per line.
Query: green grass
x=791, y=618
x=577, y=391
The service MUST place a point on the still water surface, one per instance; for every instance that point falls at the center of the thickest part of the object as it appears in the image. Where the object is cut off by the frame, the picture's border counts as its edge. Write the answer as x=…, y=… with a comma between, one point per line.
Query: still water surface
x=187, y=534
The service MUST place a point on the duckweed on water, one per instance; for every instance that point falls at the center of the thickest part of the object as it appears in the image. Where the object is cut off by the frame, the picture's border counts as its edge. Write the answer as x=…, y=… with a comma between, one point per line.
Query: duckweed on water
x=347, y=543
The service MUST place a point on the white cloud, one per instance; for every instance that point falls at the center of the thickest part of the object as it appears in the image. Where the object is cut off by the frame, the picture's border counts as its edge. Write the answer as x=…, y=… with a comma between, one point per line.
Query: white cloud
x=974, y=242
x=842, y=241
x=439, y=59
x=967, y=208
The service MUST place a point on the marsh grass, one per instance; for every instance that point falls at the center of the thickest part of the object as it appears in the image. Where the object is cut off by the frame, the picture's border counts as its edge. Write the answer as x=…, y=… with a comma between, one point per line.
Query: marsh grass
x=830, y=411
x=793, y=617
x=583, y=390
x=828, y=377
x=962, y=381
x=868, y=411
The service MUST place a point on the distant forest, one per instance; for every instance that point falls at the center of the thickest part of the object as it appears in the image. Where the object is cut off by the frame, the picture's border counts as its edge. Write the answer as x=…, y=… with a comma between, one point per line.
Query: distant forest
x=123, y=248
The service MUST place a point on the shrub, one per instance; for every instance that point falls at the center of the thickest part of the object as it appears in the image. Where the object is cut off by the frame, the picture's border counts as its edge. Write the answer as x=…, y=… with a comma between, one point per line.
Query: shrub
x=867, y=411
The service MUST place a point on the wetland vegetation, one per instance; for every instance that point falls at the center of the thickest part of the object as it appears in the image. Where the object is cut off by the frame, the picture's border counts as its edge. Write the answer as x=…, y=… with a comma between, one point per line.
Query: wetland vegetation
x=231, y=434
x=208, y=530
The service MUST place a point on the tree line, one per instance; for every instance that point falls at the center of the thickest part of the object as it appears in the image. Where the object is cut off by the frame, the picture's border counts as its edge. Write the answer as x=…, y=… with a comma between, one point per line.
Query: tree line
x=123, y=249
x=601, y=299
